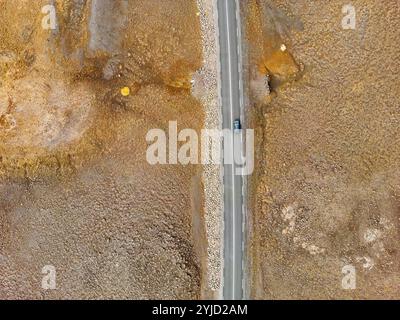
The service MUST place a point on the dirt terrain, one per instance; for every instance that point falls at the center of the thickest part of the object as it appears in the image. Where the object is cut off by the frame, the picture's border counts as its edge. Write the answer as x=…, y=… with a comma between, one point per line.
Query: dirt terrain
x=326, y=194
x=76, y=191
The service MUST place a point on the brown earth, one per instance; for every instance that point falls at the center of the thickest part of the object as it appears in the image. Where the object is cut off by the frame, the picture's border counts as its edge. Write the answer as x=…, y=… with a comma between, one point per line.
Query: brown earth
x=76, y=189
x=326, y=192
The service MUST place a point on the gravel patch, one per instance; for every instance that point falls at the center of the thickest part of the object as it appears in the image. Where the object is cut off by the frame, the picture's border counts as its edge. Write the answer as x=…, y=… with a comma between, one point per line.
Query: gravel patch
x=206, y=90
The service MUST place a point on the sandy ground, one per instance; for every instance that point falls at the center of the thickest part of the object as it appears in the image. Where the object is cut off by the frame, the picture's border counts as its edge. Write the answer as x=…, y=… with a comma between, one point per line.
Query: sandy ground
x=326, y=193
x=76, y=190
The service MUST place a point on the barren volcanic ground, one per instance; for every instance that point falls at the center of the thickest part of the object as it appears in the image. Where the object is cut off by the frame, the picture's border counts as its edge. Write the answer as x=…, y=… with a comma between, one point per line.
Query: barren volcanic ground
x=76, y=191
x=326, y=196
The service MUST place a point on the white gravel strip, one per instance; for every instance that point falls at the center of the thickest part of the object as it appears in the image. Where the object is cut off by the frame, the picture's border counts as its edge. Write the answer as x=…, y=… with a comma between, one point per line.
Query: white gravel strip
x=206, y=90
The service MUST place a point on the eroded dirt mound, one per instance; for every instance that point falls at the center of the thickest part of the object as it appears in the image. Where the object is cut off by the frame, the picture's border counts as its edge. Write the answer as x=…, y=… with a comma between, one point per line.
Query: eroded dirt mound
x=55, y=82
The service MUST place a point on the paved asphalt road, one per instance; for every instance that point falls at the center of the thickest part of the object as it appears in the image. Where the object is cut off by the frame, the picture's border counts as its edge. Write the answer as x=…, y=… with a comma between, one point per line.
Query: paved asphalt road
x=233, y=184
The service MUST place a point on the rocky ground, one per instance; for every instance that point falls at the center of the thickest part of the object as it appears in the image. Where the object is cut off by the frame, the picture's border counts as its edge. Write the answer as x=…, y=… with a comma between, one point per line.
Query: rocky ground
x=326, y=195
x=76, y=190
x=205, y=89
